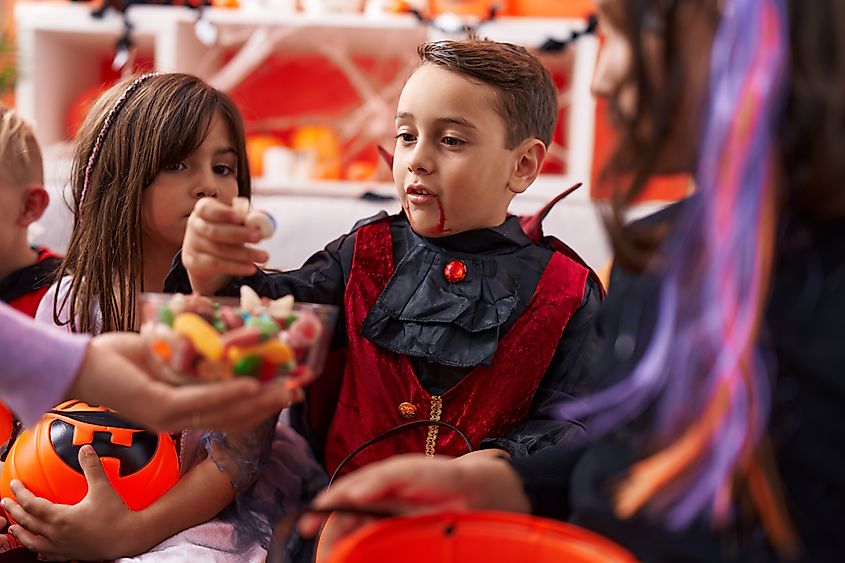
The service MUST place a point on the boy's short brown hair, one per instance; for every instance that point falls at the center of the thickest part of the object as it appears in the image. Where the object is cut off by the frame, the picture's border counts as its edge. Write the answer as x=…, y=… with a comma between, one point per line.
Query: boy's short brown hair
x=526, y=91
x=20, y=156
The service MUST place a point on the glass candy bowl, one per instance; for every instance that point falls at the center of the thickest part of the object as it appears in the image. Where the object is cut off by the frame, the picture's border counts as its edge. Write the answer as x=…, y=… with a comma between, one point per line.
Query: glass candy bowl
x=196, y=339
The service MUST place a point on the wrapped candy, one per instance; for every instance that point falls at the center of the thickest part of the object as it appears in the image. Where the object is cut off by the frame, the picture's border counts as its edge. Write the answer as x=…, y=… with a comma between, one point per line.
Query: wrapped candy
x=259, y=220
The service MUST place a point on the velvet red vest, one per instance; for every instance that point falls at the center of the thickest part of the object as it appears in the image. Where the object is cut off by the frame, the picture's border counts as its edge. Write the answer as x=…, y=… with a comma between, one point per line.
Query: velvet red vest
x=487, y=402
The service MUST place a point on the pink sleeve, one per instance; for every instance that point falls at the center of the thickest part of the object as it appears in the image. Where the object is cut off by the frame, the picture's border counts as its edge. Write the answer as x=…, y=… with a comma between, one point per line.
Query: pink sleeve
x=38, y=363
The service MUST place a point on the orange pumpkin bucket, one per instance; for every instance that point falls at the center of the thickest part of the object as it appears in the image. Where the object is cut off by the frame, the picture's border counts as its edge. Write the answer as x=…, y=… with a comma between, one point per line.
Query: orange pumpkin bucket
x=492, y=537
x=141, y=465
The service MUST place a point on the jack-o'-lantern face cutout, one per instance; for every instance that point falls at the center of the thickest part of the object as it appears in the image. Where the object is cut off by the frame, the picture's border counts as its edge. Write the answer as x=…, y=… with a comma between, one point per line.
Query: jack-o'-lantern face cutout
x=77, y=424
x=141, y=465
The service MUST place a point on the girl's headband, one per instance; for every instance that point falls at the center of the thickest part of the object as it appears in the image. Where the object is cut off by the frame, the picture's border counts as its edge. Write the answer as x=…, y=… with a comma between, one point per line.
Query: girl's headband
x=92, y=159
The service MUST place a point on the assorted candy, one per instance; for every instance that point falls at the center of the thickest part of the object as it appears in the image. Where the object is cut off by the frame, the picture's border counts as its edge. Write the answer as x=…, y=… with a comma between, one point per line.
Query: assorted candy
x=195, y=338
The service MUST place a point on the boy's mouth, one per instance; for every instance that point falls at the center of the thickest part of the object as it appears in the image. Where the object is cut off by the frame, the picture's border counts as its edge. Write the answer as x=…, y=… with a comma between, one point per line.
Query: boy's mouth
x=417, y=189
x=419, y=194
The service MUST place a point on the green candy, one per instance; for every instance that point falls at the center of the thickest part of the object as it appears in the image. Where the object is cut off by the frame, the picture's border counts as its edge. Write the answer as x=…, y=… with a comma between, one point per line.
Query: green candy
x=267, y=326
x=247, y=366
x=165, y=316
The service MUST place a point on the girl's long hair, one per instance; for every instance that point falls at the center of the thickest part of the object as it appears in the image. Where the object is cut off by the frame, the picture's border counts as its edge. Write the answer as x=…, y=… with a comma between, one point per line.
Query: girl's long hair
x=162, y=121
x=702, y=374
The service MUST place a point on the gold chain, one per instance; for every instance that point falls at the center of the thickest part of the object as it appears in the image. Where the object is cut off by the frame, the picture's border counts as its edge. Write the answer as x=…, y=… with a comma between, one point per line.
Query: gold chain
x=436, y=411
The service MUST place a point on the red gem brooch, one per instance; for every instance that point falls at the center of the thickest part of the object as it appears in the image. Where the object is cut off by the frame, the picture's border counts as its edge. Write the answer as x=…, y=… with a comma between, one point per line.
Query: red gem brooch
x=455, y=271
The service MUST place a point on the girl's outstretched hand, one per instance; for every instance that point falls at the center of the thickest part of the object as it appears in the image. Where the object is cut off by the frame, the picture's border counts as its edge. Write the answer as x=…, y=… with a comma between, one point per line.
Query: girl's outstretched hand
x=215, y=246
x=234, y=405
x=100, y=526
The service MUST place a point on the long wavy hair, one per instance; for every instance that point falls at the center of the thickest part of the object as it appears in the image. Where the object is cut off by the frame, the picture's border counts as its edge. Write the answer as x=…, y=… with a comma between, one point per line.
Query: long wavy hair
x=162, y=121
x=773, y=139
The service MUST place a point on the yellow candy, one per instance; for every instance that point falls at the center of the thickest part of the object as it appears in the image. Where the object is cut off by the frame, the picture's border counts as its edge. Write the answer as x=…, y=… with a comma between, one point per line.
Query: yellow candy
x=202, y=335
x=276, y=352
x=273, y=351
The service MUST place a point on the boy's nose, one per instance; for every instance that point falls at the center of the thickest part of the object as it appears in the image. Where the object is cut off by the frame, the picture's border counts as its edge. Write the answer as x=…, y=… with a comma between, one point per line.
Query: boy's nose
x=419, y=163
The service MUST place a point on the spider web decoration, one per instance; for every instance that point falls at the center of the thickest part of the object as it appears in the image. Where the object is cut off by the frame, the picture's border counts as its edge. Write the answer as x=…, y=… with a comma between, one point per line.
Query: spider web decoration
x=290, y=77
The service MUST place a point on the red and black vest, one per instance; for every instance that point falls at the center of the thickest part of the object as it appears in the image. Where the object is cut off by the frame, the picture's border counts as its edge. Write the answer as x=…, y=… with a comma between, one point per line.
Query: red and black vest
x=380, y=390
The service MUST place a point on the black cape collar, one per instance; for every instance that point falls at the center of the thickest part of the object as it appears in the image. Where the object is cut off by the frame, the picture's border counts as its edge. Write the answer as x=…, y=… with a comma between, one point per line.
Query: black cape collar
x=420, y=313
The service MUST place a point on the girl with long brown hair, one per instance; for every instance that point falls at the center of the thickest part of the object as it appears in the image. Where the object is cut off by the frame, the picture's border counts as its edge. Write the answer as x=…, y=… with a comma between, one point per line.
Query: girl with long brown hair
x=150, y=148
x=137, y=143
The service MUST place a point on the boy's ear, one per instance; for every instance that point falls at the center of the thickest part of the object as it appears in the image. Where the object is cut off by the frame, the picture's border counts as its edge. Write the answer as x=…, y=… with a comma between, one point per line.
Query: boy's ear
x=530, y=156
x=35, y=201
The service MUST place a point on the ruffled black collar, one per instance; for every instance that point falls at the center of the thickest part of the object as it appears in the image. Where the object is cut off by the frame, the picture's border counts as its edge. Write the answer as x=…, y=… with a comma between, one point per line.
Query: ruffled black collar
x=421, y=313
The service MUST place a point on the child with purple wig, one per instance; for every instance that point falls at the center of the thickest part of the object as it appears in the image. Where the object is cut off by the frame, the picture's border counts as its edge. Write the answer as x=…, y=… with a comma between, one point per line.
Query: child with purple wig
x=717, y=432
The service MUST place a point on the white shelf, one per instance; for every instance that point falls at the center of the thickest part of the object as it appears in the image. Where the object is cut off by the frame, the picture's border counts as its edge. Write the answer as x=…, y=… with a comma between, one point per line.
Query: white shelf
x=59, y=44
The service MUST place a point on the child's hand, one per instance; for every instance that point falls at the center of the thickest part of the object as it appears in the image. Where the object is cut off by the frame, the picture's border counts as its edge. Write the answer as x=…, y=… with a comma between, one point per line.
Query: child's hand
x=214, y=248
x=100, y=526
x=412, y=483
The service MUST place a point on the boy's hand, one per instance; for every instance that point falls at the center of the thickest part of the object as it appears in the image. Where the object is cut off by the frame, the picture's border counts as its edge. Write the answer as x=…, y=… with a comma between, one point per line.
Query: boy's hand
x=214, y=248
x=100, y=526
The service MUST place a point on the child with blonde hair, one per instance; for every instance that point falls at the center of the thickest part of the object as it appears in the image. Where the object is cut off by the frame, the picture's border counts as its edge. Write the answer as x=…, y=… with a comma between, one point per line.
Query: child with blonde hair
x=26, y=272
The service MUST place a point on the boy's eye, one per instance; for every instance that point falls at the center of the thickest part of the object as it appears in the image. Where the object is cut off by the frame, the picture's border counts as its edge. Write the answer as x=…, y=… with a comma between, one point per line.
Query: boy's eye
x=175, y=167
x=453, y=141
x=406, y=137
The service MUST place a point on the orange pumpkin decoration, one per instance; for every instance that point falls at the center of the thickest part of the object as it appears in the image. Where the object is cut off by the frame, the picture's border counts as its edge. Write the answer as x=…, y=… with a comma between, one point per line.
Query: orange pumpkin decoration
x=141, y=465
x=256, y=144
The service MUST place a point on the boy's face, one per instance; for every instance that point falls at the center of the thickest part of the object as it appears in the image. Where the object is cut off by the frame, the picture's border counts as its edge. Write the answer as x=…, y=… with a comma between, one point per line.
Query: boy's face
x=22, y=199
x=10, y=210
x=210, y=171
x=451, y=168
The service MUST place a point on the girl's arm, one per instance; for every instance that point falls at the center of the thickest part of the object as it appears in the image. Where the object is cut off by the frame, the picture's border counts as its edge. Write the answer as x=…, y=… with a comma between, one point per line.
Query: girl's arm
x=197, y=497
x=101, y=526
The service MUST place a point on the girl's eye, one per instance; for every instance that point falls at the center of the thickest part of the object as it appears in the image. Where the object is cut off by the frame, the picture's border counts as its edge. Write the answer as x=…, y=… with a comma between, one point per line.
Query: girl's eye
x=223, y=170
x=453, y=141
x=406, y=137
x=175, y=167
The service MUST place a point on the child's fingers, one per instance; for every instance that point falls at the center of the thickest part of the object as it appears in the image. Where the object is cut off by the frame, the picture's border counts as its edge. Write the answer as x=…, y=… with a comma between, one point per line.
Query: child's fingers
x=24, y=519
x=225, y=233
x=230, y=252
x=30, y=541
x=205, y=262
x=35, y=505
x=309, y=524
x=242, y=415
x=214, y=211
